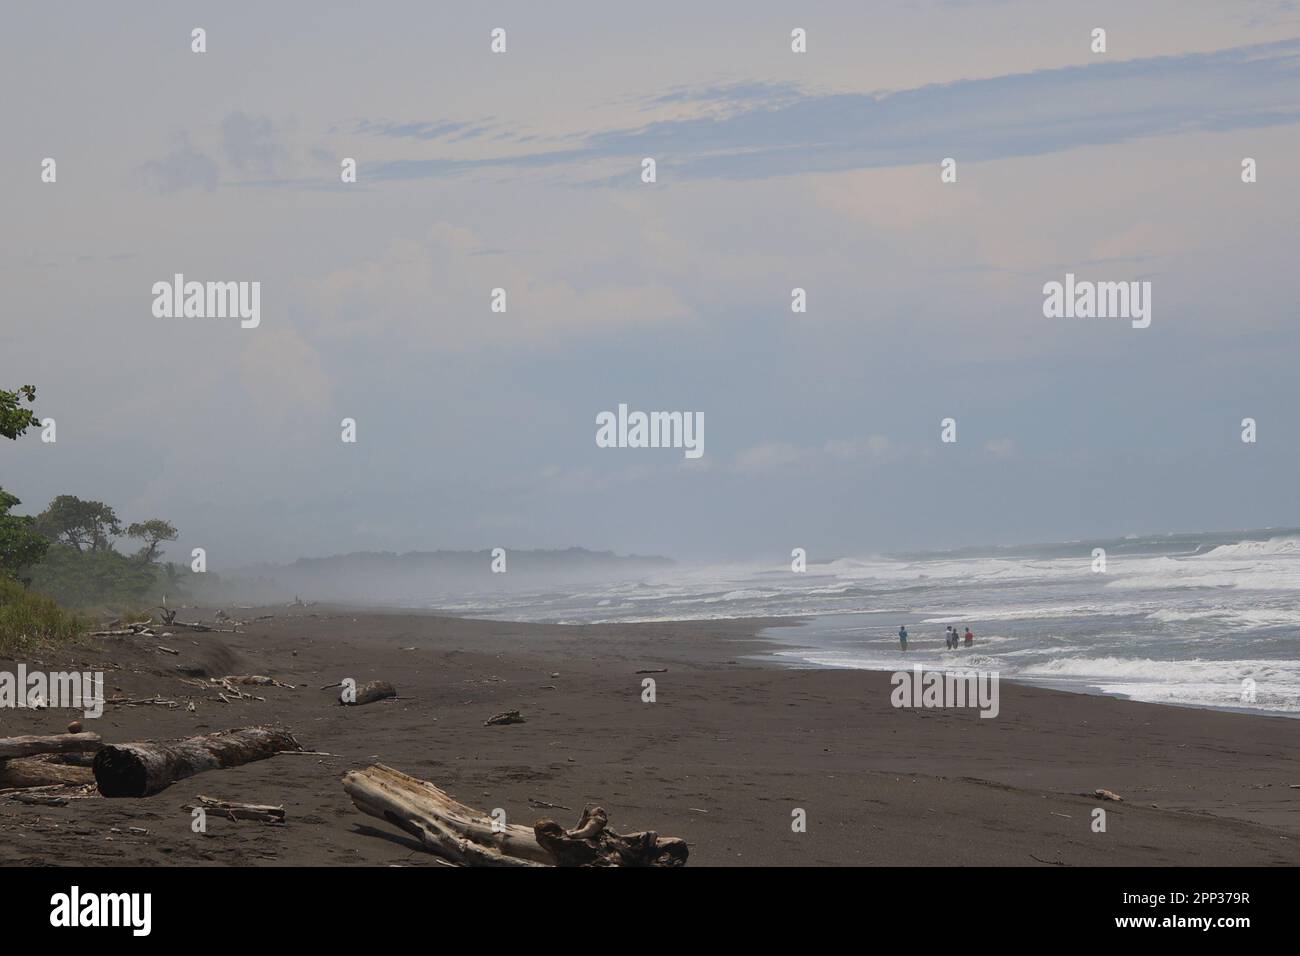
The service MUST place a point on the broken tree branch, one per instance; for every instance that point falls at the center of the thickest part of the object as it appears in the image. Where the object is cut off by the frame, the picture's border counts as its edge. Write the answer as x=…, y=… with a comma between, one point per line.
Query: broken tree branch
x=262, y=813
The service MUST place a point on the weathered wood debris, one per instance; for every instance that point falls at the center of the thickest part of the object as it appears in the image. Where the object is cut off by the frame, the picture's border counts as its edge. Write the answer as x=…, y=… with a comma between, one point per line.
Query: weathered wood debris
x=368, y=693
x=38, y=761
x=456, y=832
x=262, y=813
x=53, y=744
x=145, y=768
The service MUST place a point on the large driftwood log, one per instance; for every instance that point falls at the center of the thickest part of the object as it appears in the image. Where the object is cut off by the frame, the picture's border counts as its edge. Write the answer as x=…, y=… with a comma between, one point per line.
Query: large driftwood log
x=23, y=772
x=463, y=835
x=445, y=826
x=143, y=769
x=53, y=744
x=369, y=693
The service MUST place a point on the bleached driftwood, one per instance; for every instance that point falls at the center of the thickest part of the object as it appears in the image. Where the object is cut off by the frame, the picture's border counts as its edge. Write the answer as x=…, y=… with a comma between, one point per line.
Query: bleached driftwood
x=452, y=830
x=156, y=701
x=129, y=629
x=143, y=769
x=509, y=717
x=442, y=824
x=30, y=746
x=262, y=813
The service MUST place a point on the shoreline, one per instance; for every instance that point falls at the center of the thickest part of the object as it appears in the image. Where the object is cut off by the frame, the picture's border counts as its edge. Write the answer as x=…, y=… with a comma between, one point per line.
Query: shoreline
x=773, y=658
x=722, y=757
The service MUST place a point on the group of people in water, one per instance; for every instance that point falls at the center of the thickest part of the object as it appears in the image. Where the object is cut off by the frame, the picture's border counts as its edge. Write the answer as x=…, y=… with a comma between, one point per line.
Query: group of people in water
x=952, y=638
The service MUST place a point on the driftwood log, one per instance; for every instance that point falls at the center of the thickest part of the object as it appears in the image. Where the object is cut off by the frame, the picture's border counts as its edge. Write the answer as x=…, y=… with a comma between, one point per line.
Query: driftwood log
x=23, y=772
x=369, y=693
x=53, y=744
x=40, y=799
x=456, y=832
x=262, y=813
x=509, y=717
x=143, y=769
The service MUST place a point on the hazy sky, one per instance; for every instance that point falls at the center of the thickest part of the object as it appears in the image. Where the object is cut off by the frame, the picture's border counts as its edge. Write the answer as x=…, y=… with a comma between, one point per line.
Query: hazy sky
x=775, y=170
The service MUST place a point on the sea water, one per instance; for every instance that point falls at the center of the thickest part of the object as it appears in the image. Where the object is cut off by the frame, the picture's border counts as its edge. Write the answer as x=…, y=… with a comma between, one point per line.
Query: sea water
x=1210, y=620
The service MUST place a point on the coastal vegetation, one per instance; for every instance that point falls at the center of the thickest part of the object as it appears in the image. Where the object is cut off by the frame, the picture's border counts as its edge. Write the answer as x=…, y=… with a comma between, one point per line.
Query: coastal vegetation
x=64, y=560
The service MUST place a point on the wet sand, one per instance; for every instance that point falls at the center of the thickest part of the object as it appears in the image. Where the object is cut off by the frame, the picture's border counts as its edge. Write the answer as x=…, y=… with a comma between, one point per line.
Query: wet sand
x=731, y=747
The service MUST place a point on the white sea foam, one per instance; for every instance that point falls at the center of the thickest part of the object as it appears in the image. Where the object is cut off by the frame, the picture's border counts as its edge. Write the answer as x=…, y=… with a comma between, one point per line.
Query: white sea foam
x=1184, y=626
x=1288, y=546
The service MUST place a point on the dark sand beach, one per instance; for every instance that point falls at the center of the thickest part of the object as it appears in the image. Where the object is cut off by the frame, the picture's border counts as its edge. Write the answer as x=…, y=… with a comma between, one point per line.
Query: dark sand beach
x=728, y=750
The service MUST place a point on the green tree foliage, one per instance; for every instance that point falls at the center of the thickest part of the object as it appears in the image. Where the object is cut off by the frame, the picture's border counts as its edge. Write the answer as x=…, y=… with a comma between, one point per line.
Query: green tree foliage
x=84, y=525
x=67, y=550
x=152, y=533
x=21, y=545
x=14, y=419
x=102, y=579
x=83, y=569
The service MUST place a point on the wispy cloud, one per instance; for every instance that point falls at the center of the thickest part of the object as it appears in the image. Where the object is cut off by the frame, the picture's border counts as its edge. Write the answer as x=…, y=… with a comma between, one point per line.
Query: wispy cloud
x=251, y=144
x=428, y=130
x=729, y=95
x=185, y=167
x=774, y=129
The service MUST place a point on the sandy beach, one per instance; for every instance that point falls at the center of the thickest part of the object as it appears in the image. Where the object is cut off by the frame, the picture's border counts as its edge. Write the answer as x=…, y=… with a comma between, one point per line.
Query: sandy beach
x=730, y=748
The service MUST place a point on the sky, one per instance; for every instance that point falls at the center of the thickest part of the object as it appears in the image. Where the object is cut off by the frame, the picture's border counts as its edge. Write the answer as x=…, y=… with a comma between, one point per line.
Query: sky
x=774, y=170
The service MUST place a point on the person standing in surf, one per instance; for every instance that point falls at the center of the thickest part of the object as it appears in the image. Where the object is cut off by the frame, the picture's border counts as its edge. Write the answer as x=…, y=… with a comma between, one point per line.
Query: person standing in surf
x=902, y=637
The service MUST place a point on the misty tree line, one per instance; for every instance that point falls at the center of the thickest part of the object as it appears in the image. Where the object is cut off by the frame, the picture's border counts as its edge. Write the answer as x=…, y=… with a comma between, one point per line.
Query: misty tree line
x=67, y=551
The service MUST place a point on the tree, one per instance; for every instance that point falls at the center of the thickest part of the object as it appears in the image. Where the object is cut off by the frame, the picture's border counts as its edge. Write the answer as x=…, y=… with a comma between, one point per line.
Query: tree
x=85, y=525
x=20, y=544
x=153, y=533
x=14, y=419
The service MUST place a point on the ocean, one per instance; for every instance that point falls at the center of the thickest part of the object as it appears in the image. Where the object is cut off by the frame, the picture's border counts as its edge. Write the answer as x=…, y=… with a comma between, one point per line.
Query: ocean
x=1189, y=619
